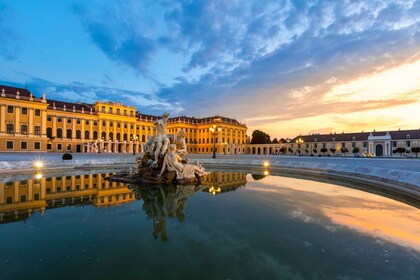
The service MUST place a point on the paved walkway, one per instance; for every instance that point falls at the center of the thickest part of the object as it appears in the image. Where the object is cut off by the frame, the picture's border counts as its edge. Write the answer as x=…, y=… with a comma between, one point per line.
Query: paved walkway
x=410, y=164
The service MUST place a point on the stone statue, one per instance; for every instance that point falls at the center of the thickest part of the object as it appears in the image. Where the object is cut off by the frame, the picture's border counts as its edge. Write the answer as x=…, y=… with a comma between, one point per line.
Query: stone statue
x=149, y=146
x=131, y=171
x=180, y=140
x=162, y=162
x=173, y=162
x=161, y=139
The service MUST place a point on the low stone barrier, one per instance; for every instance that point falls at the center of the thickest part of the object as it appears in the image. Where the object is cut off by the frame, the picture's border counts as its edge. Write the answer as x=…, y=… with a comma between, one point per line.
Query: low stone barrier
x=392, y=179
x=405, y=180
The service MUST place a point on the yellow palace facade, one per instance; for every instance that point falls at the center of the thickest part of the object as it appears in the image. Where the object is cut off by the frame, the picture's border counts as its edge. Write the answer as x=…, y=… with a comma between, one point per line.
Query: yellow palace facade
x=31, y=124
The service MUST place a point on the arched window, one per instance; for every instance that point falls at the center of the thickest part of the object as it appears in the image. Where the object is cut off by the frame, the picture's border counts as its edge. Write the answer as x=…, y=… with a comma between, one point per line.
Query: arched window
x=78, y=134
x=95, y=135
x=125, y=137
x=49, y=132
x=111, y=135
x=103, y=135
x=118, y=136
x=69, y=134
x=87, y=134
x=59, y=133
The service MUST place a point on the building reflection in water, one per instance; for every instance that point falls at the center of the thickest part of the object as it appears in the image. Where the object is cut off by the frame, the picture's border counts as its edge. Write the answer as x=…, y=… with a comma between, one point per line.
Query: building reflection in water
x=19, y=199
x=221, y=182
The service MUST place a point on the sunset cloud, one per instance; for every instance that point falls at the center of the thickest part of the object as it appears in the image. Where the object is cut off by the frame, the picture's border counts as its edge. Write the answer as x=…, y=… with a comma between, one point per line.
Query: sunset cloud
x=288, y=67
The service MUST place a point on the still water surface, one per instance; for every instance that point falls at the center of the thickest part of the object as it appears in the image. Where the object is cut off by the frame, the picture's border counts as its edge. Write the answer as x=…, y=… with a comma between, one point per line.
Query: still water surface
x=233, y=226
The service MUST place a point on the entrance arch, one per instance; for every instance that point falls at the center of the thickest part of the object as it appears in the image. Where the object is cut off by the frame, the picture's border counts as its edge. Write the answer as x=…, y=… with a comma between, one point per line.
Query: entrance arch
x=379, y=150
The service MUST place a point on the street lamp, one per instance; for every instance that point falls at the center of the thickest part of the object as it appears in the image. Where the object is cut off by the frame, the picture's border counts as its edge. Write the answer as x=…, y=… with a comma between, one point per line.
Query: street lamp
x=134, y=138
x=214, y=130
x=299, y=142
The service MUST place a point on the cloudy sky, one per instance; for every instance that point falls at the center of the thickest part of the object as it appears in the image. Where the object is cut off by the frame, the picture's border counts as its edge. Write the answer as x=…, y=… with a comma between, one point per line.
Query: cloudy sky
x=286, y=67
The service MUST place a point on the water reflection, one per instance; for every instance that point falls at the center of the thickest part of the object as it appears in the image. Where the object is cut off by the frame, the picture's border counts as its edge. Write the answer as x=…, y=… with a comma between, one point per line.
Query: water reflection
x=20, y=199
x=274, y=228
x=160, y=203
x=222, y=182
x=169, y=202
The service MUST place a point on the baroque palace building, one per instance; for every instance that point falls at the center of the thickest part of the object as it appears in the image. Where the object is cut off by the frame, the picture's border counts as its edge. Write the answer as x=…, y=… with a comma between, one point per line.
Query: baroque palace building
x=32, y=124
x=375, y=143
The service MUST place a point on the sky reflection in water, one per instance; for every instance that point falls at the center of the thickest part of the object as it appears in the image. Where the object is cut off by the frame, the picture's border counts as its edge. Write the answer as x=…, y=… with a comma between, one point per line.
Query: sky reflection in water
x=253, y=227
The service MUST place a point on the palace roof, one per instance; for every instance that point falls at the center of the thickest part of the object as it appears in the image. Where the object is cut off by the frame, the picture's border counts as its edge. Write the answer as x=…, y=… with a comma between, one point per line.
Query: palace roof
x=13, y=91
x=358, y=136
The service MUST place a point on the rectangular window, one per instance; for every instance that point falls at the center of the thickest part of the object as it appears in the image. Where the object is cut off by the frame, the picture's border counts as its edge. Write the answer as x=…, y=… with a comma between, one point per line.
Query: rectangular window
x=132, y=126
x=407, y=143
x=59, y=147
x=9, y=200
x=49, y=118
x=118, y=125
x=10, y=128
x=37, y=130
x=37, y=146
x=23, y=198
x=324, y=145
x=36, y=196
x=48, y=146
x=131, y=113
x=95, y=122
x=69, y=147
x=9, y=145
x=24, y=129
x=125, y=112
x=343, y=145
x=394, y=144
x=103, y=109
x=87, y=122
x=365, y=144
x=78, y=121
x=24, y=111
x=125, y=125
x=110, y=110
x=23, y=145
x=10, y=109
x=353, y=144
x=59, y=119
x=111, y=124
x=103, y=123
x=68, y=120
x=37, y=112
x=118, y=111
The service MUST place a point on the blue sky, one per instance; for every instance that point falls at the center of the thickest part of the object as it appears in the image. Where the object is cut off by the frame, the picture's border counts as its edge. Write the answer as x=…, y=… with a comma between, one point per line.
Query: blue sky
x=287, y=67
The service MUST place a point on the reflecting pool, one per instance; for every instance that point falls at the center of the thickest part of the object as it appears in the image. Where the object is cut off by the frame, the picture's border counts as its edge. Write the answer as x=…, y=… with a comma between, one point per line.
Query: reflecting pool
x=232, y=226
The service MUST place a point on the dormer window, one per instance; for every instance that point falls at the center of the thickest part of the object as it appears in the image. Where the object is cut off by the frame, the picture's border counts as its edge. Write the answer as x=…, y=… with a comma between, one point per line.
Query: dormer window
x=407, y=136
x=333, y=139
x=316, y=139
x=353, y=138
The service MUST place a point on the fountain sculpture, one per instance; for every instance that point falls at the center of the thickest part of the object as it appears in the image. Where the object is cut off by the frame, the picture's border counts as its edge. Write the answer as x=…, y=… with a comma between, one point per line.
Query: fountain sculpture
x=164, y=160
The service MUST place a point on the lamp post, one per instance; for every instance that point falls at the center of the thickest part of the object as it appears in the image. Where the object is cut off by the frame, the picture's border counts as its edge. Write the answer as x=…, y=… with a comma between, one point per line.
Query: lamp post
x=134, y=138
x=214, y=130
x=299, y=142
